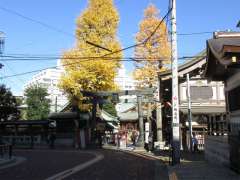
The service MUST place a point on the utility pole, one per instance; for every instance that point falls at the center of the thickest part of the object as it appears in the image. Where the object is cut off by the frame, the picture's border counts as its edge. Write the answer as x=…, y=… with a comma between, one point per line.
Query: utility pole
x=189, y=112
x=140, y=119
x=175, y=103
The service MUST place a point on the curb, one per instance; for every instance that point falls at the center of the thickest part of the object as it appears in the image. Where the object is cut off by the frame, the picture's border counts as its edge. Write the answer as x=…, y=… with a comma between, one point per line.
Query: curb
x=4, y=162
x=12, y=162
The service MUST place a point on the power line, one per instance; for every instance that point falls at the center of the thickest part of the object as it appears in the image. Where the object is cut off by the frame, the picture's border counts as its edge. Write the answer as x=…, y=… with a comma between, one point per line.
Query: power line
x=9, y=67
x=19, y=79
x=117, y=51
x=15, y=58
x=36, y=21
x=108, y=54
x=145, y=41
x=155, y=30
x=77, y=58
x=195, y=33
x=54, y=67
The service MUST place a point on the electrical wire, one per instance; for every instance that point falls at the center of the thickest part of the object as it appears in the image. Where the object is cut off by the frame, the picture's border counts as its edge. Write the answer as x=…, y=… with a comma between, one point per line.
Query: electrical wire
x=69, y=64
x=89, y=58
x=195, y=33
x=108, y=54
x=12, y=58
x=43, y=24
x=36, y=21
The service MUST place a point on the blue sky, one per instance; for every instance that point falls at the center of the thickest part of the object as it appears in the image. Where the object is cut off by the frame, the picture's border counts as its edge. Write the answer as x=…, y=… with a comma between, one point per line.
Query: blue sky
x=25, y=37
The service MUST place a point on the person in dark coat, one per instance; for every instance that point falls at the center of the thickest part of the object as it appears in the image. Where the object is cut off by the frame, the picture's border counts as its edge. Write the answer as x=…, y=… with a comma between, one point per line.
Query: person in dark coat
x=195, y=143
x=51, y=139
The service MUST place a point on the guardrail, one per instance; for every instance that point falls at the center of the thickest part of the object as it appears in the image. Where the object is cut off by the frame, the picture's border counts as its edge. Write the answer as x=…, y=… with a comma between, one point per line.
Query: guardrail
x=6, y=151
x=24, y=139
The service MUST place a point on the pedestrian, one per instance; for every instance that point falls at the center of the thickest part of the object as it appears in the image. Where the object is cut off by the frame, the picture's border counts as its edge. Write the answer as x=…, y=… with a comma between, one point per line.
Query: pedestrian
x=195, y=143
x=118, y=140
x=150, y=142
x=107, y=136
x=99, y=136
x=51, y=140
x=133, y=138
x=137, y=136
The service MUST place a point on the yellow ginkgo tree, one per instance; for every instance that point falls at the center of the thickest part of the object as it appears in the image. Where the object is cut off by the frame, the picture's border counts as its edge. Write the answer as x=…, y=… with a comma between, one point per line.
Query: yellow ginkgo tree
x=152, y=56
x=87, y=67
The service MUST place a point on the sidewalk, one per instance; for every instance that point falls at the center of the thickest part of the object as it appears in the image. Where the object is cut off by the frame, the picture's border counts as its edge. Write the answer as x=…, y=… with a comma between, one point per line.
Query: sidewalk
x=15, y=160
x=200, y=170
x=192, y=167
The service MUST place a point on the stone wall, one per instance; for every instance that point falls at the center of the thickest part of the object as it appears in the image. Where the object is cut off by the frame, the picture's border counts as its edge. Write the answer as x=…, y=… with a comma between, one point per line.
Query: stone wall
x=217, y=150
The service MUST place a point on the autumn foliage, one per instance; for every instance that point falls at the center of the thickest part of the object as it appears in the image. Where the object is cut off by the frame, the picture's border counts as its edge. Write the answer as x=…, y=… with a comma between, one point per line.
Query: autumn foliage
x=153, y=55
x=85, y=67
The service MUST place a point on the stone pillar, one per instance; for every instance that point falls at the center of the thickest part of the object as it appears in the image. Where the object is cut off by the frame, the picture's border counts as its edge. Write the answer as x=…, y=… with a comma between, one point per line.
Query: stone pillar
x=212, y=125
x=217, y=124
x=222, y=124
x=93, y=122
x=140, y=119
x=159, y=122
x=209, y=124
x=149, y=117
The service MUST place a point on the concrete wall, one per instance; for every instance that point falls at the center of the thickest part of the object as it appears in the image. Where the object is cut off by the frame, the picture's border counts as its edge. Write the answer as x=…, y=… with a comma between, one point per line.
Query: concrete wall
x=217, y=150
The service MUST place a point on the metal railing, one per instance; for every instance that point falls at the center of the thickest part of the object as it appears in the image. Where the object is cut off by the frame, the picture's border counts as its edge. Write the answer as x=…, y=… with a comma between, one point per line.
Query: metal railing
x=5, y=151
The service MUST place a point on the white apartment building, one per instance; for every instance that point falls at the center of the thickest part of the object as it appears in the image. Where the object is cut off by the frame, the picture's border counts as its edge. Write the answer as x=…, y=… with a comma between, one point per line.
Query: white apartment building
x=124, y=81
x=49, y=78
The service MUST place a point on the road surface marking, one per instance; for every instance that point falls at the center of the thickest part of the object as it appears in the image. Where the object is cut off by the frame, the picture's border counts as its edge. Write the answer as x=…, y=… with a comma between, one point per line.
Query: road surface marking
x=77, y=168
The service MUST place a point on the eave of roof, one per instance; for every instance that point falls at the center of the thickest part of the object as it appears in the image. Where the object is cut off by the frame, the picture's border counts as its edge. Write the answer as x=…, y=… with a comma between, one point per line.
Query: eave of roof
x=199, y=60
x=219, y=58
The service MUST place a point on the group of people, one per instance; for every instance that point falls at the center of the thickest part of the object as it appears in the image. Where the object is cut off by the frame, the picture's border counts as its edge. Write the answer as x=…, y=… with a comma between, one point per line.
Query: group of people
x=124, y=138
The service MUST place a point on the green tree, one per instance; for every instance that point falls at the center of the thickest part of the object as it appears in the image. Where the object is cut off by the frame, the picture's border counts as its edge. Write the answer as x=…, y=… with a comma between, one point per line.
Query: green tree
x=156, y=51
x=21, y=107
x=38, y=106
x=97, y=24
x=8, y=105
x=110, y=108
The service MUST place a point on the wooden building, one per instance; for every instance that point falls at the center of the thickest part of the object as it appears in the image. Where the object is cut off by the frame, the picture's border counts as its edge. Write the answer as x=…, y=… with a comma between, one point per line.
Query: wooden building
x=223, y=64
x=207, y=101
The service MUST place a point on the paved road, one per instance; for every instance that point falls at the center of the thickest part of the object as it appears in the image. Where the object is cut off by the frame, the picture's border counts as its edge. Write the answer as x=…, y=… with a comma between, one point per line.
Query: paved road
x=41, y=164
x=115, y=165
x=118, y=165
